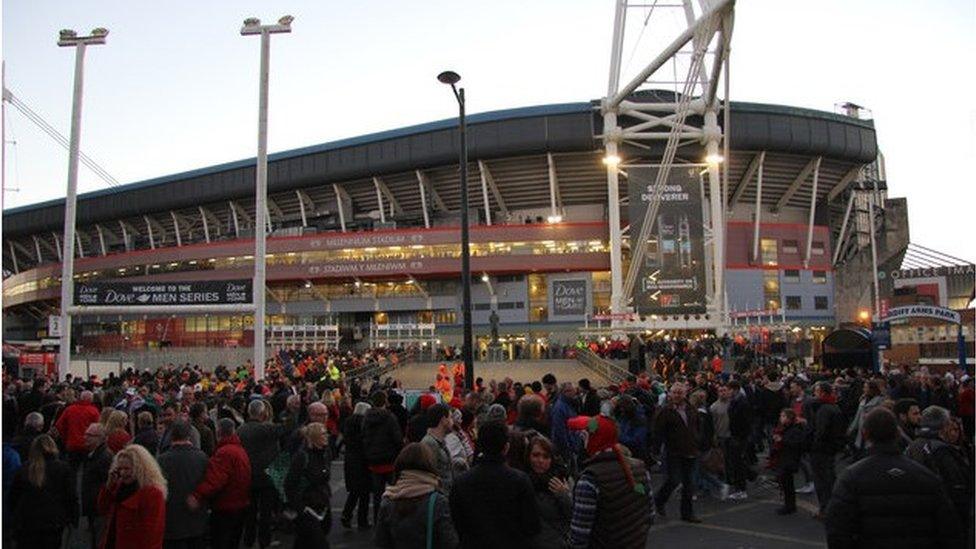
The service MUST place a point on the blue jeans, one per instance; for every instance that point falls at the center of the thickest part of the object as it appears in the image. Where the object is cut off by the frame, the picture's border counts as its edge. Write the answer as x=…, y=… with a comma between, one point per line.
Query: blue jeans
x=705, y=481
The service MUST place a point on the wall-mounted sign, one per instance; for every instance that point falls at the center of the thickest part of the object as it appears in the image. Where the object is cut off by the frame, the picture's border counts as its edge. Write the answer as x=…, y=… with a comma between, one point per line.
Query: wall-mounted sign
x=569, y=297
x=928, y=311
x=212, y=292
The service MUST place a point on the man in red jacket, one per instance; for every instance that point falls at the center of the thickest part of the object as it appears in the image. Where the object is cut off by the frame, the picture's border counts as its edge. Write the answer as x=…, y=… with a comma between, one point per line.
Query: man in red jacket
x=73, y=423
x=228, y=483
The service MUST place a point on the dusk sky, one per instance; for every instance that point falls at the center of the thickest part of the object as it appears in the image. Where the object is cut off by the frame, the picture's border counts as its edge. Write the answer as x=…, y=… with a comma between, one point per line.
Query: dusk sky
x=175, y=88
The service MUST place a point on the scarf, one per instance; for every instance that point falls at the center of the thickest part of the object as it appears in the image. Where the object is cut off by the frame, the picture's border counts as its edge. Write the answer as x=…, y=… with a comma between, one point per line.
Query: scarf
x=412, y=484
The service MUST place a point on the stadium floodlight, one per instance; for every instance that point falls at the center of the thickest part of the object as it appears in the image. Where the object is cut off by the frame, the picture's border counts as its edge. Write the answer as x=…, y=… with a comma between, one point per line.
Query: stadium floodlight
x=69, y=38
x=555, y=219
x=714, y=159
x=451, y=78
x=252, y=26
x=611, y=160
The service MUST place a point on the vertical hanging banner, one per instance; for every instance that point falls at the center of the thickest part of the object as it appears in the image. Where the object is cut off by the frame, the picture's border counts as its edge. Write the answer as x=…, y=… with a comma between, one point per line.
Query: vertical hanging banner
x=671, y=279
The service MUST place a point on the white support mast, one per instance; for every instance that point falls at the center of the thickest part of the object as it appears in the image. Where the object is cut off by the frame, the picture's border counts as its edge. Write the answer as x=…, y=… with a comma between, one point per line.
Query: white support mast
x=704, y=47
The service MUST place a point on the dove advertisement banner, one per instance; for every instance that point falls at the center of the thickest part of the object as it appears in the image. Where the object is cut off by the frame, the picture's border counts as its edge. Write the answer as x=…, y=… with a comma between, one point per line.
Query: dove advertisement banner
x=671, y=279
x=211, y=292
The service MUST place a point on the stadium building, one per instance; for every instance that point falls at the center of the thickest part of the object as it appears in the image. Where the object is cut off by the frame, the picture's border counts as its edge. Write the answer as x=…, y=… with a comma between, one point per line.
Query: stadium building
x=364, y=233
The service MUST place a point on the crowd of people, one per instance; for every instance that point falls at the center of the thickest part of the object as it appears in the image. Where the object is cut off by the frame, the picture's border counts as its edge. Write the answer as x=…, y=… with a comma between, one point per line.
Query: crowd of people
x=183, y=457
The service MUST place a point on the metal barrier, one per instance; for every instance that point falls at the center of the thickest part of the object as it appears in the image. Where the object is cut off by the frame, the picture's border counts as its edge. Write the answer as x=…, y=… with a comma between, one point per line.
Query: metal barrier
x=605, y=368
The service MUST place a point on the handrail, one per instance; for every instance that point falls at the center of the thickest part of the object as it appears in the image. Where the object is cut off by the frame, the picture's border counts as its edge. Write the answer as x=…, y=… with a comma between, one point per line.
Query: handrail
x=607, y=369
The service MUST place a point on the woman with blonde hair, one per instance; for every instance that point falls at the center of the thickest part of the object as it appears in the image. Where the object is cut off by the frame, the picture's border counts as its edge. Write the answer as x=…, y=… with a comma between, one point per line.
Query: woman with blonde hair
x=307, y=488
x=43, y=497
x=134, y=501
x=117, y=430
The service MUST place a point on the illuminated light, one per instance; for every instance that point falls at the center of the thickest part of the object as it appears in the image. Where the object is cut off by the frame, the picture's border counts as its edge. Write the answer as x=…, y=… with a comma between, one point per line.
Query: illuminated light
x=174, y=264
x=369, y=250
x=410, y=282
x=555, y=218
x=611, y=160
x=548, y=243
x=248, y=257
x=864, y=315
x=122, y=270
x=395, y=248
x=417, y=247
x=358, y=284
x=155, y=266
x=212, y=260
x=308, y=284
x=714, y=159
x=193, y=262
x=484, y=278
x=291, y=254
x=595, y=243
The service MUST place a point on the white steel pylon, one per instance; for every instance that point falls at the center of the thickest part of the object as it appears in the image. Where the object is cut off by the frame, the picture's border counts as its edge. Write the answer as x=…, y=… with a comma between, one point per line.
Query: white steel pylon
x=697, y=57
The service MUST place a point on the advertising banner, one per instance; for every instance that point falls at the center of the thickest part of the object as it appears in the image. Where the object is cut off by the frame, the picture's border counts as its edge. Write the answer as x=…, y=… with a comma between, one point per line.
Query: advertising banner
x=671, y=279
x=213, y=292
x=569, y=297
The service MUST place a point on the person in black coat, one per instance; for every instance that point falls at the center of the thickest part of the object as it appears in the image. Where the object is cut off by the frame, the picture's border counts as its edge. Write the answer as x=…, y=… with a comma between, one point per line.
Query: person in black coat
x=382, y=440
x=494, y=505
x=94, y=475
x=788, y=443
x=936, y=448
x=307, y=488
x=888, y=500
x=184, y=467
x=355, y=471
x=413, y=507
x=43, y=497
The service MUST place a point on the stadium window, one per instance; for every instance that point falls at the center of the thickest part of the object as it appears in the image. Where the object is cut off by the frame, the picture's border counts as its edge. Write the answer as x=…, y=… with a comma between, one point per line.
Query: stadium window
x=770, y=255
x=817, y=248
x=791, y=247
x=485, y=306
x=791, y=275
x=506, y=305
x=793, y=303
x=771, y=289
x=820, y=302
x=819, y=277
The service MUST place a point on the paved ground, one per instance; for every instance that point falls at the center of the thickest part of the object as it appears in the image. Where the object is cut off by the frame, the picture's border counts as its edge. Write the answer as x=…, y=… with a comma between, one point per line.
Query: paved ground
x=750, y=523
x=422, y=375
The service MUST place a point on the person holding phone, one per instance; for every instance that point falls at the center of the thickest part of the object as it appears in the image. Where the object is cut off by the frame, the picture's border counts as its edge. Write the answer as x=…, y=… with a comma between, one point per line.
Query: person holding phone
x=552, y=494
x=134, y=501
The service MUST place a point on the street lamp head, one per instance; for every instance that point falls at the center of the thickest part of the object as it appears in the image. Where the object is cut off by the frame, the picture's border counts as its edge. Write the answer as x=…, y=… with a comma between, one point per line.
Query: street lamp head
x=66, y=34
x=286, y=20
x=449, y=77
x=252, y=22
x=100, y=32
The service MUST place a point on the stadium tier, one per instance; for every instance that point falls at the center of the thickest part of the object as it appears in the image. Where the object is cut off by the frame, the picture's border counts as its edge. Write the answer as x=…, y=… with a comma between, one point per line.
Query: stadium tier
x=363, y=232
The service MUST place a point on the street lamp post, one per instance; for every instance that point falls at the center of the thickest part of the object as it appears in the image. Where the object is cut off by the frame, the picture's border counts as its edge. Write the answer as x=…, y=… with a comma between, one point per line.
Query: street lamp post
x=452, y=78
x=253, y=26
x=69, y=38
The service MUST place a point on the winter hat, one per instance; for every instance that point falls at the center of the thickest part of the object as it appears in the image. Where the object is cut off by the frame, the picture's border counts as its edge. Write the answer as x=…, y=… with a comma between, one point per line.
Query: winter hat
x=602, y=432
x=603, y=436
x=427, y=400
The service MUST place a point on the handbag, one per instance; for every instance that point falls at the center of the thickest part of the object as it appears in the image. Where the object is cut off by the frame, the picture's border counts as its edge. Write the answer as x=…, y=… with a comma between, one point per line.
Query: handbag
x=714, y=461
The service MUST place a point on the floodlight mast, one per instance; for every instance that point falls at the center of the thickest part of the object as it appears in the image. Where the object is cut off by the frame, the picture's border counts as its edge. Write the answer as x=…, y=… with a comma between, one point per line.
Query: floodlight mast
x=69, y=38
x=253, y=26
